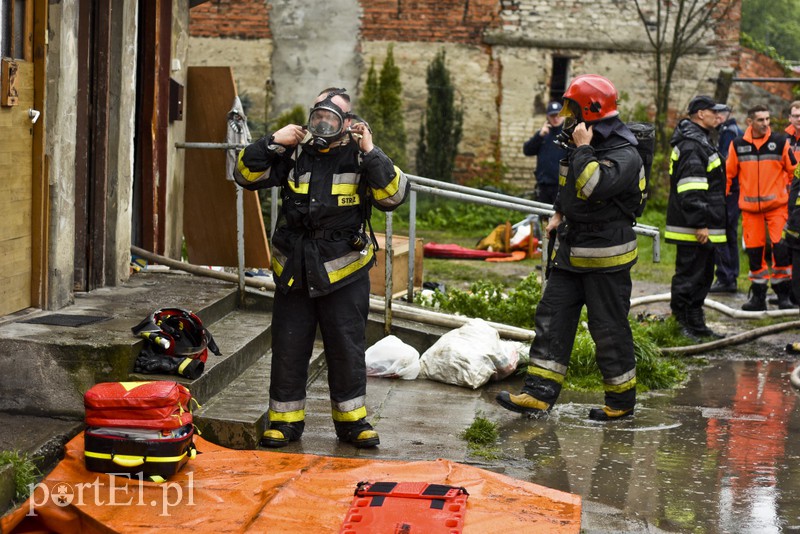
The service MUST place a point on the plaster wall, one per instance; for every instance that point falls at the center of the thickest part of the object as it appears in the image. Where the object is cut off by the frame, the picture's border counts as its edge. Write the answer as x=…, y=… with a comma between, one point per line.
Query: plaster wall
x=315, y=46
x=60, y=107
x=251, y=61
x=122, y=109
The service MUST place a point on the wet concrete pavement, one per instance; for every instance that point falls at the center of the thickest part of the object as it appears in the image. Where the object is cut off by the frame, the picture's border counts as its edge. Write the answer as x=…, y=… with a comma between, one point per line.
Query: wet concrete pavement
x=718, y=455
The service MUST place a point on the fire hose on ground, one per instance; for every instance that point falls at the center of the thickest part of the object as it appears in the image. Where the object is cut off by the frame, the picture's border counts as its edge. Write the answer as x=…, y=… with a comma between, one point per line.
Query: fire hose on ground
x=522, y=334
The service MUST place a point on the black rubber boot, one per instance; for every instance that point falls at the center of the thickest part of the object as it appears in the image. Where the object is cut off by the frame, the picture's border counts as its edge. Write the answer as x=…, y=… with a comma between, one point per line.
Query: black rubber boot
x=607, y=413
x=522, y=403
x=281, y=434
x=359, y=434
x=686, y=330
x=696, y=321
x=784, y=291
x=757, y=298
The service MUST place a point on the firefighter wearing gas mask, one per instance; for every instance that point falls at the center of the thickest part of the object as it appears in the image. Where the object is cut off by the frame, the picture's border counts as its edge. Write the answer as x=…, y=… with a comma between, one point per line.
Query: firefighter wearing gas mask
x=330, y=174
x=601, y=187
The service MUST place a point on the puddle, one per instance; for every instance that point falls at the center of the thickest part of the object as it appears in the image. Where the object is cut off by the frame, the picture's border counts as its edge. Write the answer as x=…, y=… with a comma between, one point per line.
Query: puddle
x=718, y=455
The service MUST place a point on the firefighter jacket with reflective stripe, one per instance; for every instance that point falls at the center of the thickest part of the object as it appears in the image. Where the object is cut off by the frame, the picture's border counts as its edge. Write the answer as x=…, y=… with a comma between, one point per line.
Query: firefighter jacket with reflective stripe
x=791, y=232
x=764, y=167
x=696, y=187
x=321, y=242
x=794, y=141
x=600, y=187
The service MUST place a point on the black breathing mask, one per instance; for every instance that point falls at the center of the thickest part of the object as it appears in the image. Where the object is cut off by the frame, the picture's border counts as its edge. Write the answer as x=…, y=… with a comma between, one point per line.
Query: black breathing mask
x=326, y=121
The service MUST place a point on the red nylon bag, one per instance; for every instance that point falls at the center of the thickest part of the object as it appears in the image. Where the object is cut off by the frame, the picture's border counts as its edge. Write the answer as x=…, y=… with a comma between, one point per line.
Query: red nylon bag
x=158, y=405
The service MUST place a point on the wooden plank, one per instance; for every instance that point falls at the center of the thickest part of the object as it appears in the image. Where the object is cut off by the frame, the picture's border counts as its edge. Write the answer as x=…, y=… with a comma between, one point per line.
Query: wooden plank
x=209, y=220
x=40, y=220
x=16, y=195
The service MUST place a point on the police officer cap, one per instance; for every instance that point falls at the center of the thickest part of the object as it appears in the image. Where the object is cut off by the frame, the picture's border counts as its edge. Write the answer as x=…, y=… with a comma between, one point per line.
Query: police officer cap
x=701, y=102
x=553, y=108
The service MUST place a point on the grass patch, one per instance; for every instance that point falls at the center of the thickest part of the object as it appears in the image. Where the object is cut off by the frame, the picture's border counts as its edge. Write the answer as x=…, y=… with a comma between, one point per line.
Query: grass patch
x=491, y=301
x=25, y=472
x=481, y=437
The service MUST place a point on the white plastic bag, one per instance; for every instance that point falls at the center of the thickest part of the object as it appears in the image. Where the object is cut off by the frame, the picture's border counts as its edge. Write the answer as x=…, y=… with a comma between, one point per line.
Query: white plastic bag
x=470, y=356
x=391, y=358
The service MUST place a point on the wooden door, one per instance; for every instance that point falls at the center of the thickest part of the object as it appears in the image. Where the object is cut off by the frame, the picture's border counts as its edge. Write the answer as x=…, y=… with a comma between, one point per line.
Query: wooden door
x=18, y=192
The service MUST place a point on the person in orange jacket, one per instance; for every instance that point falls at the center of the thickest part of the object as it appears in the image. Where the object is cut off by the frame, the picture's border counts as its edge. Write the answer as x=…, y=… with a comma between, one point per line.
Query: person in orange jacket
x=764, y=163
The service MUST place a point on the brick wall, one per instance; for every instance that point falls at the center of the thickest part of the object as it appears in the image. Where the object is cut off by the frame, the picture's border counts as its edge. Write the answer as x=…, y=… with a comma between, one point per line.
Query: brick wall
x=755, y=65
x=242, y=19
x=452, y=21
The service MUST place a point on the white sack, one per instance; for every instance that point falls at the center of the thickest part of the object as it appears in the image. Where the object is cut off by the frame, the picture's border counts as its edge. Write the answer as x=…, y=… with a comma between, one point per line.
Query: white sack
x=470, y=356
x=391, y=358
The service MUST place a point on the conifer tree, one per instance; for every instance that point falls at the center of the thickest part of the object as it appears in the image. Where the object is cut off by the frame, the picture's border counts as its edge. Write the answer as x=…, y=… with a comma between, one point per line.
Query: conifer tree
x=393, y=132
x=440, y=131
x=369, y=104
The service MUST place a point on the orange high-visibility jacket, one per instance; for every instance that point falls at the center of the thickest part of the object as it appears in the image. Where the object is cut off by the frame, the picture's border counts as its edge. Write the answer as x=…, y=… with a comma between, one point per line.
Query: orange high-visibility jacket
x=764, y=167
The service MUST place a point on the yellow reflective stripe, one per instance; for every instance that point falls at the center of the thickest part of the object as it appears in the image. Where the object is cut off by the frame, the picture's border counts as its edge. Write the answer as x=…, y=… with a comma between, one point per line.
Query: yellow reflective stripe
x=393, y=192
x=714, y=238
x=344, y=189
x=245, y=172
x=680, y=236
x=301, y=188
x=349, y=417
x=352, y=263
x=692, y=183
x=673, y=158
x=602, y=262
x=588, y=180
x=713, y=162
x=620, y=388
x=184, y=365
x=132, y=459
x=790, y=233
x=286, y=417
x=546, y=373
x=562, y=180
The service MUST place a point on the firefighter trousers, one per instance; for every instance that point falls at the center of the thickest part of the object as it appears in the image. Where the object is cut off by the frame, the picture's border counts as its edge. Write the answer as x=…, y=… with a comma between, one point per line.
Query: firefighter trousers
x=607, y=298
x=694, y=273
x=342, y=319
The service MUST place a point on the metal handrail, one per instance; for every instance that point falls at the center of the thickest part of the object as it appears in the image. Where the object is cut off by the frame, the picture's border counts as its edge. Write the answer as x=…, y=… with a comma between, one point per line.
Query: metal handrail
x=418, y=184
x=490, y=198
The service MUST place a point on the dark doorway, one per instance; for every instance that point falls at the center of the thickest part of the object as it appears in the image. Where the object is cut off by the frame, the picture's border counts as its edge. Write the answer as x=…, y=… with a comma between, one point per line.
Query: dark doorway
x=91, y=147
x=558, y=80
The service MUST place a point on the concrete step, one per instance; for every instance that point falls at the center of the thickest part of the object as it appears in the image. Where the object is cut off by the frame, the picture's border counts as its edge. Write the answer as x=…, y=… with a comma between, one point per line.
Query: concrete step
x=237, y=416
x=243, y=336
x=42, y=439
x=47, y=368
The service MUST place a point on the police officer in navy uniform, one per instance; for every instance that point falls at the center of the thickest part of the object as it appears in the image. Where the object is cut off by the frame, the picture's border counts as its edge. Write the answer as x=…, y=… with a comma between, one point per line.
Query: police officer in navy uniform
x=330, y=174
x=602, y=187
x=548, y=153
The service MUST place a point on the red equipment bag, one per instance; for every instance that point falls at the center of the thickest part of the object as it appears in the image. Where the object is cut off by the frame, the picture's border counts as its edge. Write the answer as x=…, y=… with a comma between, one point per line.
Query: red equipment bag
x=138, y=427
x=407, y=507
x=161, y=405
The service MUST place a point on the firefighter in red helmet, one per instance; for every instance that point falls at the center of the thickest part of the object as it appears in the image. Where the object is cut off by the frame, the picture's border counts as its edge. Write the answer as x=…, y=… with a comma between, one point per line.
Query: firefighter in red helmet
x=602, y=189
